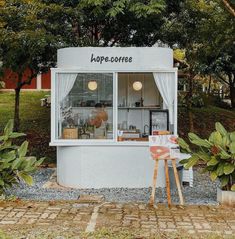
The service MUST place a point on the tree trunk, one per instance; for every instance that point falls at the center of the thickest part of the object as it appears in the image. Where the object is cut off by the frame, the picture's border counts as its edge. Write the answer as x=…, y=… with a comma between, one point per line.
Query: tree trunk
x=17, y=110
x=232, y=95
x=20, y=84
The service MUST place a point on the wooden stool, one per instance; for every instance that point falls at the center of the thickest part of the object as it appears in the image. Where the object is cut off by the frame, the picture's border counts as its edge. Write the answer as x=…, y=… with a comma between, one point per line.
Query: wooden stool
x=152, y=198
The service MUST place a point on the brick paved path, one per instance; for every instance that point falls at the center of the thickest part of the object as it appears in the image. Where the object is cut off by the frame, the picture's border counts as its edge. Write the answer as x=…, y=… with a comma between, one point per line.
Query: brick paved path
x=92, y=216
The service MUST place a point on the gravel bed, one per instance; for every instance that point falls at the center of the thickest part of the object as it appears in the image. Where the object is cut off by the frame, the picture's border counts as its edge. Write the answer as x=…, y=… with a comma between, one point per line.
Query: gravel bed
x=203, y=191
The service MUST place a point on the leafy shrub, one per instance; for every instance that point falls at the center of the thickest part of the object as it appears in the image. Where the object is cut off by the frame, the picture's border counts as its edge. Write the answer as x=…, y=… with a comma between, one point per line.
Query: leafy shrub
x=222, y=104
x=196, y=100
x=14, y=164
x=217, y=152
x=216, y=101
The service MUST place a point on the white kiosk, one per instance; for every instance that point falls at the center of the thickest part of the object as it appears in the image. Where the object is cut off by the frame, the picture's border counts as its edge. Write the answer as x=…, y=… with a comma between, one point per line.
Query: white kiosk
x=104, y=104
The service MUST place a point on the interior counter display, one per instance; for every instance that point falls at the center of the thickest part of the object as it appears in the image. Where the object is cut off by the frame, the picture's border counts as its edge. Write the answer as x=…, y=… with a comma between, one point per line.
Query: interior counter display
x=105, y=103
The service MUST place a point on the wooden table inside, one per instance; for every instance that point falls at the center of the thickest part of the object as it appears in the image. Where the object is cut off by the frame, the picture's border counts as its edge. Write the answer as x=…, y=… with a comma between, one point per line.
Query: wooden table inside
x=134, y=139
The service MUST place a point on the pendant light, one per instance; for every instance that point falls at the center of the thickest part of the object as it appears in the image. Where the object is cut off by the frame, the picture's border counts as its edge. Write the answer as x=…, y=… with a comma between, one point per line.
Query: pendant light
x=137, y=85
x=92, y=85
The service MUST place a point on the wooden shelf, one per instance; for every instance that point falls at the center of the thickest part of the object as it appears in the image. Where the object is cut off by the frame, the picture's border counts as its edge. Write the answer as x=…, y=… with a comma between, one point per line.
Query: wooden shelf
x=134, y=139
x=90, y=107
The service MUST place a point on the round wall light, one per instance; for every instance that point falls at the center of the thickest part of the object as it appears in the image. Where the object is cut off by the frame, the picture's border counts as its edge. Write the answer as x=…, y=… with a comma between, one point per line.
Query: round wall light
x=92, y=85
x=137, y=85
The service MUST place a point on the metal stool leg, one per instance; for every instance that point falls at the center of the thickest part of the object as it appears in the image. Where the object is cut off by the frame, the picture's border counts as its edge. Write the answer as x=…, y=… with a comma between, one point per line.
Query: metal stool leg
x=167, y=183
x=152, y=198
x=177, y=182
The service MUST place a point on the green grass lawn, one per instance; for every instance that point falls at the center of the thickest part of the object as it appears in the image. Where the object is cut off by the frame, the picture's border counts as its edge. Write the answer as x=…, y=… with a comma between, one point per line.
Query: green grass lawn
x=35, y=120
x=204, y=120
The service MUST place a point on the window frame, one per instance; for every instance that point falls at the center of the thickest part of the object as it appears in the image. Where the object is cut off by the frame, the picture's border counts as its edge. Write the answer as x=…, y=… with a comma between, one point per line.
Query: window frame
x=54, y=111
x=98, y=142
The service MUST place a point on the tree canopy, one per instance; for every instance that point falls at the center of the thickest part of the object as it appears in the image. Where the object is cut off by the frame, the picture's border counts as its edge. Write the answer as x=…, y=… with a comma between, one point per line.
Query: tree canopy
x=25, y=44
x=31, y=31
x=205, y=30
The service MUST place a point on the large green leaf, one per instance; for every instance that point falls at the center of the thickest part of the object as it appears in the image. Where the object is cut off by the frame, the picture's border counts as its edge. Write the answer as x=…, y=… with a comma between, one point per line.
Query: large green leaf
x=220, y=169
x=228, y=168
x=6, y=145
x=26, y=177
x=213, y=175
x=3, y=138
x=232, y=147
x=204, y=156
x=29, y=162
x=213, y=161
x=16, y=163
x=232, y=136
x=225, y=142
x=198, y=141
x=220, y=128
x=6, y=165
x=39, y=162
x=223, y=154
x=23, y=149
x=9, y=127
x=192, y=161
x=184, y=145
x=215, y=138
x=184, y=161
x=8, y=156
x=14, y=135
x=224, y=180
x=209, y=168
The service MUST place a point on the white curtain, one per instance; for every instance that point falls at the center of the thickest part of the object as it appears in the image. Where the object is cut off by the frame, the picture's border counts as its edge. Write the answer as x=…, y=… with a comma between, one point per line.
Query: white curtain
x=66, y=82
x=165, y=82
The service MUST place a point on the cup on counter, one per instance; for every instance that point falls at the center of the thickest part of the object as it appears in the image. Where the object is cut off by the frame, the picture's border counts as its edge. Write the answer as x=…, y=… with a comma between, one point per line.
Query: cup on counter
x=124, y=125
x=119, y=134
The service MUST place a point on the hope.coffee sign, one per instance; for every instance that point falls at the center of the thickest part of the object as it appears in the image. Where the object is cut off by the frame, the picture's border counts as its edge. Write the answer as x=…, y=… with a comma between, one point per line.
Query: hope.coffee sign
x=112, y=59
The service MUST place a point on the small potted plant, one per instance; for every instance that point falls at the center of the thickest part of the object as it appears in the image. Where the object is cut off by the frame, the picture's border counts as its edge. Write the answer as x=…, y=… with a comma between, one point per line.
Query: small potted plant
x=69, y=129
x=218, y=154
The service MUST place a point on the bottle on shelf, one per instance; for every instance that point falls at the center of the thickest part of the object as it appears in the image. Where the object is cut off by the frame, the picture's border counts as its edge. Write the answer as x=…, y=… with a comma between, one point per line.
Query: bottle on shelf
x=141, y=102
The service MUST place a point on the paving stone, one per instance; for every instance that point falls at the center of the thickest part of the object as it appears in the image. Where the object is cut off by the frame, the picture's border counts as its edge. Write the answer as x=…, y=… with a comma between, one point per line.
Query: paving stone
x=22, y=221
x=195, y=219
x=20, y=214
x=162, y=225
x=183, y=223
x=8, y=222
x=31, y=221
x=44, y=215
x=53, y=216
x=86, y=198
x=206, y=225
x=8, y=208
x=204, y=231
x=197, y=225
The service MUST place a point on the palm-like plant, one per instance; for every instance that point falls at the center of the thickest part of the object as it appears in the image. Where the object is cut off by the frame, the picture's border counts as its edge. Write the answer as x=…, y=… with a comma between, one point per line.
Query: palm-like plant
x=217, y=152
x=14, y=164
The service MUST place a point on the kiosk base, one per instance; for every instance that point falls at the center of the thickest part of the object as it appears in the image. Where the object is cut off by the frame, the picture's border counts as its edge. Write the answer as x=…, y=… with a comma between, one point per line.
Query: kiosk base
x=106, y=167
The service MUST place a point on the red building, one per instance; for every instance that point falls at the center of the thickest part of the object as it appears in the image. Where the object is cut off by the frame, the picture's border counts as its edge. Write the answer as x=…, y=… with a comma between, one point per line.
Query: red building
x=41, y=82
